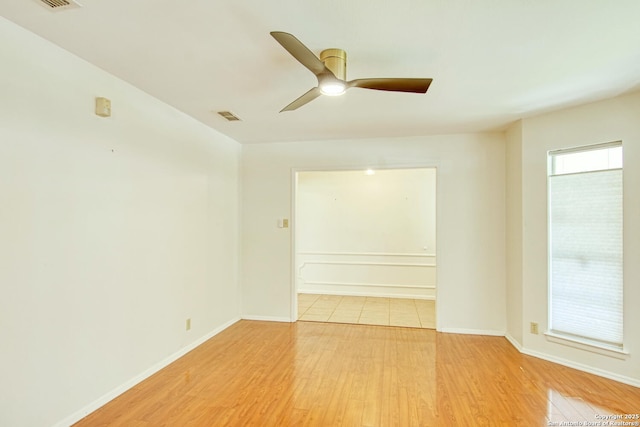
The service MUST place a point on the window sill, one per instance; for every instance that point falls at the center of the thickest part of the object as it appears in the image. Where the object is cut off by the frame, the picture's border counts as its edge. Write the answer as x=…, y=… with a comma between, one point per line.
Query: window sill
x=587, y=346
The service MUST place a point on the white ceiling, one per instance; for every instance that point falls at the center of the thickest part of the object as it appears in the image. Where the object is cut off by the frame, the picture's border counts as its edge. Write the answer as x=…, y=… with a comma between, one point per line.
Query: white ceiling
x=492, y=61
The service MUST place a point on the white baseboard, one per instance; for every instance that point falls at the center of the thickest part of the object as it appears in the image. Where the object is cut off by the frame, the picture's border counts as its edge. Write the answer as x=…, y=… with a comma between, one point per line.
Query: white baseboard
x=585, y=368
x=365, y=294
x=268, y=318
x=514, y=342
x=472, y=331
x=93, y=406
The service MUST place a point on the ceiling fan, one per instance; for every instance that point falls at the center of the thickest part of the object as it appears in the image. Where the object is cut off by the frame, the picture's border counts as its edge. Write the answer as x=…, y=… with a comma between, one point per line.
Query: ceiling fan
x=331, y=71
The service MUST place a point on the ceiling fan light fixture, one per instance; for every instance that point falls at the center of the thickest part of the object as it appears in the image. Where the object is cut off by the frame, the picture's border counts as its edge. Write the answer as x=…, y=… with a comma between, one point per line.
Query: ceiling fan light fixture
x=331, y=71
x=333, y=88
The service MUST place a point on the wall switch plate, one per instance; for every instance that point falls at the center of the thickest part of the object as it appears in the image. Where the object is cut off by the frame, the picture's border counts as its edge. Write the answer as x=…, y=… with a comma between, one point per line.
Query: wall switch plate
x=188, y=325
x=283, y=223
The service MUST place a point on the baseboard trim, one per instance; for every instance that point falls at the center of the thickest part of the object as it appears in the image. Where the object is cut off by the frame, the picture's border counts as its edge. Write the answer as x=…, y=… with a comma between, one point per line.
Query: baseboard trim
x=472, y=331
x=581, y=367
x=366, y=294
x=93, y=406
x=514, y=342
x=268, y=318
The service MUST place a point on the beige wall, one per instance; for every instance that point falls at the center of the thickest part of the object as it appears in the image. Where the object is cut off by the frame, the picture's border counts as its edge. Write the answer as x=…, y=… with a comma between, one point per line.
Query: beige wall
x=611, y=120
x=470, y=223
x=514, y=233
x=113, y=232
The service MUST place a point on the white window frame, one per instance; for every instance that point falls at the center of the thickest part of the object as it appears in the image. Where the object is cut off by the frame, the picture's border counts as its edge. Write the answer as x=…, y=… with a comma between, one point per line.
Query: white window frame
x=583, y=343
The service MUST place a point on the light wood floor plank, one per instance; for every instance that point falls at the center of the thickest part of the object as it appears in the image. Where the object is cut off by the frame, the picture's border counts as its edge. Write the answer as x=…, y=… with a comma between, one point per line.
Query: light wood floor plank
x=322, y=374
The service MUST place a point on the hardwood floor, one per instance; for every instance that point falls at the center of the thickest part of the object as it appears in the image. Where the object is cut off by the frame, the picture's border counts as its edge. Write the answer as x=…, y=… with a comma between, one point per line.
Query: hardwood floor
x=323, y=374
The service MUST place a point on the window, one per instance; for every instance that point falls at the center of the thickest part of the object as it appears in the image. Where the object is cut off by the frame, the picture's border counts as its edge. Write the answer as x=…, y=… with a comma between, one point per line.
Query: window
x=585, y=244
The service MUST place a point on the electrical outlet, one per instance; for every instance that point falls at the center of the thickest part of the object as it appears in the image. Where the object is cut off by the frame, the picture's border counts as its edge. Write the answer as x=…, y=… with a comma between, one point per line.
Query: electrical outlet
x=534, y=328
x=188, y=324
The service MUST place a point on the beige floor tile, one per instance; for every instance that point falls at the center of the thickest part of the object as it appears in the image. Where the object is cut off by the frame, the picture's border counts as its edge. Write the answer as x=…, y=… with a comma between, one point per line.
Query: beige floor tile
x=401, y=312
x=377, y=300
x=385, y=299
x=349, y=308
x=404, y=317
x=354, y=299
x=376, y=305
x=347, y=303
x=428, y=322
x=407, y=314
x=330, y=298
x=373, y=321
x=406, y=322
x=426, y=312
x=320, y=310
x=375, y=308
x=310, y=298
x=424, y=303
x=370, y=301
x=369, y=315
x=347, y=312
x=315, y=317
x=430, y=318
x=302, y=310
x=402, y=309
x=325, y=304
x=344, y=317
x=374, y=315
x=402, y=301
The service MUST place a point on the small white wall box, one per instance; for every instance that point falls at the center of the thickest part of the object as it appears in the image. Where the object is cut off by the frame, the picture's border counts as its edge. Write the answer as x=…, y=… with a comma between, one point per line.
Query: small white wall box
x=103, y=107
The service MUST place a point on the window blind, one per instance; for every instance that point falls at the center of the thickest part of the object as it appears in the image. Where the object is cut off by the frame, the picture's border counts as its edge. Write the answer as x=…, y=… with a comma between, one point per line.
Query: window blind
x=585, y=220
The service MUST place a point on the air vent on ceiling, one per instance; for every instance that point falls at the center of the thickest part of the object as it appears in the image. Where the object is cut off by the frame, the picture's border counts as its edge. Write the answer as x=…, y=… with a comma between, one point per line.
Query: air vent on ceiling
x=229, y=116
x=59, y=4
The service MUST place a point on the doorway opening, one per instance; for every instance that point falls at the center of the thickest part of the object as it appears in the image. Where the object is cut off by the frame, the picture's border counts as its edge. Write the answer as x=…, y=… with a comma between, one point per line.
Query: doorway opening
x=365, y=247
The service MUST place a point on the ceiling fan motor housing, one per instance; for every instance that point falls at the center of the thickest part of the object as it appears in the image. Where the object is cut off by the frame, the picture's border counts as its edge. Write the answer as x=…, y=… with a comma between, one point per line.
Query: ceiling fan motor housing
x=336, y=61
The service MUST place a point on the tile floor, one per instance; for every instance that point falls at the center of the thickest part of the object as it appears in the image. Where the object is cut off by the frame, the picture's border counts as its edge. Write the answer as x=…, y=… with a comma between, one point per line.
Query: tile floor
x=414, y=313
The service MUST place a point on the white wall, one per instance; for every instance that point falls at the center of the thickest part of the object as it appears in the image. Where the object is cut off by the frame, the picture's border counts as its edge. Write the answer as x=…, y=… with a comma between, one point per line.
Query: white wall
x=113, y=232
x=366, y=234
x=470, y=223
x=610, y=120
x=392, y=210
x=514, y=233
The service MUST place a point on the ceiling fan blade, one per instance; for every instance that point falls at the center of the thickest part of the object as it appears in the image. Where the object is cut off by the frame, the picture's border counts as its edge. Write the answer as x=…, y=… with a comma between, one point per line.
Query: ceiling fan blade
x=300, y=52
x=309, y=96
x=393, y=85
